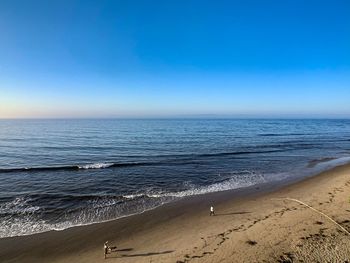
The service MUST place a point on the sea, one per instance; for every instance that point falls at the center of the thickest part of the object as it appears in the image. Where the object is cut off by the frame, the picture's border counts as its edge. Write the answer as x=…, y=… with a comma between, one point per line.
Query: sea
x=56, y=174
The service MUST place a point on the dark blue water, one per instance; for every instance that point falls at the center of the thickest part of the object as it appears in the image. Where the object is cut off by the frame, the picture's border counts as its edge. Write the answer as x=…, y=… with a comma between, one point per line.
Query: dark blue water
x=56, y=174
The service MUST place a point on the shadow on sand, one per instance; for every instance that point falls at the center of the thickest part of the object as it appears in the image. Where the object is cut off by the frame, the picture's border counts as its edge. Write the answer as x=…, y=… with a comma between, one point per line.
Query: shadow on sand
x=233, y=213
x=149, y=254
x=115, y=253
x=122, y=250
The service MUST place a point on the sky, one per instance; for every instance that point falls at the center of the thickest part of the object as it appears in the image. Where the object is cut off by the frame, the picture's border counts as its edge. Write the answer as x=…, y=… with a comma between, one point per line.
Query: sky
x=106, y=59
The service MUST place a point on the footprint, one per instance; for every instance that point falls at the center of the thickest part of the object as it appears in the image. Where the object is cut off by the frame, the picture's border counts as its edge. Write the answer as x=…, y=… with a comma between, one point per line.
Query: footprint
x=251, y=242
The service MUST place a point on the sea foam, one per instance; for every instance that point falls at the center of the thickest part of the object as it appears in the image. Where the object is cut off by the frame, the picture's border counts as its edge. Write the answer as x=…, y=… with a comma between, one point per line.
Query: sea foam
x=95, y=166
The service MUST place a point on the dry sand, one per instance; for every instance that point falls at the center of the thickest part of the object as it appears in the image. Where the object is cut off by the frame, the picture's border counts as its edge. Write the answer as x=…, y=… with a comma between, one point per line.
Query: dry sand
x=250, y=225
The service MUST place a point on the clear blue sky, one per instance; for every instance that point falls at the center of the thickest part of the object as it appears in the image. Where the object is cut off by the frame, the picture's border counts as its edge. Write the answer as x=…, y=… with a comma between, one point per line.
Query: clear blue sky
x=174, y=58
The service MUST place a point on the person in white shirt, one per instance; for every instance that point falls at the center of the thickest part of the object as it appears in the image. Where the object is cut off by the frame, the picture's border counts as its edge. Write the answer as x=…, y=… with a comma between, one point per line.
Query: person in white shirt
x=105, y=248
x=212, y=211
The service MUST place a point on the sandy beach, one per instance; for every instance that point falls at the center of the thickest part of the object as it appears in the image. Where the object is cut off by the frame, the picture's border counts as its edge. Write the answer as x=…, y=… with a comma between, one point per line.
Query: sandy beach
x=251, y=225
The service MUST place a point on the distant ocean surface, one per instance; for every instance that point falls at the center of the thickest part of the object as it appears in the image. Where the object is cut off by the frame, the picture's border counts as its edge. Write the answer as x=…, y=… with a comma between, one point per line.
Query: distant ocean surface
x=56, y=174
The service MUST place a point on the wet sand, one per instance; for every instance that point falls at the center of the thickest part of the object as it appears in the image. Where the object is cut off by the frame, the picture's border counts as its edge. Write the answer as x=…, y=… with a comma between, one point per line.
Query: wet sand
x=251, y=225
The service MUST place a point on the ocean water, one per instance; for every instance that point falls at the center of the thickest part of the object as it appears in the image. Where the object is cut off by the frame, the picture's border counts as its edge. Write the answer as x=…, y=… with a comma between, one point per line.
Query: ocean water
x=56, y=174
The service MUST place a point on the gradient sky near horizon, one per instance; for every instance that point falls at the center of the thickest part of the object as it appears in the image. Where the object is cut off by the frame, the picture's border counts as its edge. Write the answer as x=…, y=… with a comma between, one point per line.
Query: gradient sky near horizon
x=174, y=58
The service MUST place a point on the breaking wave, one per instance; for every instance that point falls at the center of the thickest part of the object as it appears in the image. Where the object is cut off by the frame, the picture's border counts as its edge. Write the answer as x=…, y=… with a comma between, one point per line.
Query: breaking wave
x=166, y=159
x=96, y=166
x=21, y=216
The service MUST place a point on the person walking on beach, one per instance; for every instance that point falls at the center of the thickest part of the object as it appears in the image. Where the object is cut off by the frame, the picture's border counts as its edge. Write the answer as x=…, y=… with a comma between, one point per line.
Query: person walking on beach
x=212, y=211
x=108, y=249
x=105, y=248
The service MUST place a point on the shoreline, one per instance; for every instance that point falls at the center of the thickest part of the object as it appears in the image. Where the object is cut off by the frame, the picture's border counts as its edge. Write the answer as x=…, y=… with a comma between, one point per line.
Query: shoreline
x=315, y=167
x=172, y=228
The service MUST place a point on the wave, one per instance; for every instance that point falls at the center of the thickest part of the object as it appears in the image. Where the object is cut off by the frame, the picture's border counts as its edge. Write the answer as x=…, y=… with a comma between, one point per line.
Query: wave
x=18, y=217
x=71, y=167
x=96, y=166
x=28, y=214
x=19, y=205
x=328, y=163
x=239, y=153
x=315, y=162
x=280, y=135
x=171, y=159
x=237, y=180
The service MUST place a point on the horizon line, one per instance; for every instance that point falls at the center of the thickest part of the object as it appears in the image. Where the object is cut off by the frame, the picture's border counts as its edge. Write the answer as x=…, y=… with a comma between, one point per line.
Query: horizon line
x=345, y=117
